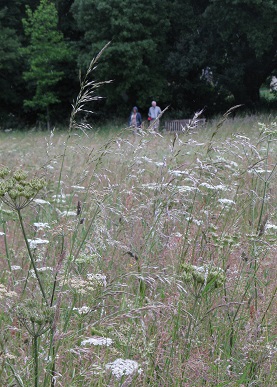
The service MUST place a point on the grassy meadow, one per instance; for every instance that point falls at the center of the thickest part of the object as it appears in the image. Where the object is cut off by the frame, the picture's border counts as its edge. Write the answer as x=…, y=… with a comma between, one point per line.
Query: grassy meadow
x=139, y=260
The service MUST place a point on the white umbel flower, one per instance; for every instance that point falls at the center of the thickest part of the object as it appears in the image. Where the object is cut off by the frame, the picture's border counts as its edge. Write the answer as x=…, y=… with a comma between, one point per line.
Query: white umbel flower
x=35, y=242
x=40, y=201
x=121, y=367
x=105, y=341
x=41, y=226
x=226, y=202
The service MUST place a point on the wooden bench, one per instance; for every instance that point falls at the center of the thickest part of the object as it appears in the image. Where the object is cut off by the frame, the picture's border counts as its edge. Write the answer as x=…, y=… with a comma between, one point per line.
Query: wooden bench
x=183, y=125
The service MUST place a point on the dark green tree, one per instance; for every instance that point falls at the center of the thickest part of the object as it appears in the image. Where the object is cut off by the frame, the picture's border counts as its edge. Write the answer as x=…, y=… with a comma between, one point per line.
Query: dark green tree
x=135, y=58
x=11, y=65
x=9, y=58
x=68, y=87
x=67, y=23
x=186, y=59
x=240, y=37
x=223, y=52
x=45, y=54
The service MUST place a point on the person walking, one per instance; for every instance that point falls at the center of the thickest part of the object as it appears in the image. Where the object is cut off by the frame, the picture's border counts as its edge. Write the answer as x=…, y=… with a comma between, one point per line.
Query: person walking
x=135, y=119
x=153, y=114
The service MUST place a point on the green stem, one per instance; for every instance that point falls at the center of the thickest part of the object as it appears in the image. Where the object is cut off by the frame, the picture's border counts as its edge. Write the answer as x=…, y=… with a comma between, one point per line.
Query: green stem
x=35, y=352
x=31, y=257
x=270, y=302
x=53, y=369
x=194, y=311
x=7, y=250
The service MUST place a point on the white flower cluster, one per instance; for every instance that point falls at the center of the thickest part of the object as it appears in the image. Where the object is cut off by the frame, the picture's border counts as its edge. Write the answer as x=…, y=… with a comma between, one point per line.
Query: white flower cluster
x=121, y=367
x=79, y=284
x=98, y=279
x=106, y=341
x=259, y=170
x=78, y=187
x=5, y=293
x=40, y=201
x=270, y=226
x=15, y=267
x=226, y=202
x=187, y=188
x=68, y=213
x=154, y=186
x=59, y=198
x=178, y=173
x=219, y=187
x=90, y=284
x=83, y=310
x=40, y=270
x=41, y=226
x=35, y=242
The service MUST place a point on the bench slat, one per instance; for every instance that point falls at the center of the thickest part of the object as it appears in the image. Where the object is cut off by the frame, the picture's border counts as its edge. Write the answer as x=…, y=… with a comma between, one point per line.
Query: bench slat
x=183, y=125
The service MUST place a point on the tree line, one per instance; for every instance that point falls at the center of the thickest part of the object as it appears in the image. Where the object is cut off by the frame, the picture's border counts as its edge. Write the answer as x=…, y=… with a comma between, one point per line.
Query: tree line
x=183, y=53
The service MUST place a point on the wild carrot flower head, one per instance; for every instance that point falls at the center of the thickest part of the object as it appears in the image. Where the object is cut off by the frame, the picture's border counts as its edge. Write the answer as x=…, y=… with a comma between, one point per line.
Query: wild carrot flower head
x=123, y=367
x=203, y=275
x=16, y=190
x=36, y=318
x=104, y=341
x=92, y=283
x=34, y=243
x=5, y=293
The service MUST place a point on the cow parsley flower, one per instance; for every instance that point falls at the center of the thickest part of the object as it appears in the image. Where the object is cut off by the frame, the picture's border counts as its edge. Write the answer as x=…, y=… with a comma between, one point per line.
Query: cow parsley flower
x=219, y=187
x=121, y=367
x=226, y=202
x=186, y=188
x=40, y=201
x=35, y=242
x=15, y=267
x=78, y=187
x=97, y=279
x=259, y=170
x=83, y=310
x=4, y=292
x=105, y=341
x=178, y=173
x=270, y=226
x=41, y=226
x=43, y=269
x=68, y=213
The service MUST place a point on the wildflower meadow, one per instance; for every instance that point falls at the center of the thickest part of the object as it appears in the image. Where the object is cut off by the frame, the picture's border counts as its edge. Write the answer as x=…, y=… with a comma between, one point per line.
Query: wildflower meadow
x=139, y=260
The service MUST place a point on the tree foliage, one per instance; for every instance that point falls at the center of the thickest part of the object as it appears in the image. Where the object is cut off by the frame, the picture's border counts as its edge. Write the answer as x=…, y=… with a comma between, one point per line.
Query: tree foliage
x=241, y=37
x=9, y=44
x=182, y=53
x=138, y=34
x=186, y=58
x=10, y=63
x=45, y=53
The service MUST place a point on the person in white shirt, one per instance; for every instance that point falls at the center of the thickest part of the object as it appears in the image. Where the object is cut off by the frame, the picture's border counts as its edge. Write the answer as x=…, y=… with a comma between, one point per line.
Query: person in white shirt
x=153, y=114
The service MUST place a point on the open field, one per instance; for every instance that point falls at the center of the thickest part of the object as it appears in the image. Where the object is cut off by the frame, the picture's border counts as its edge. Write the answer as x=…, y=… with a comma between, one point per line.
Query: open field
x=139, y=260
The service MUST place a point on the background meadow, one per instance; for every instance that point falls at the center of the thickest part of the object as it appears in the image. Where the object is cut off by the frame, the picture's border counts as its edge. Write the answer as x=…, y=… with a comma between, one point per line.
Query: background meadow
x=141, y=260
